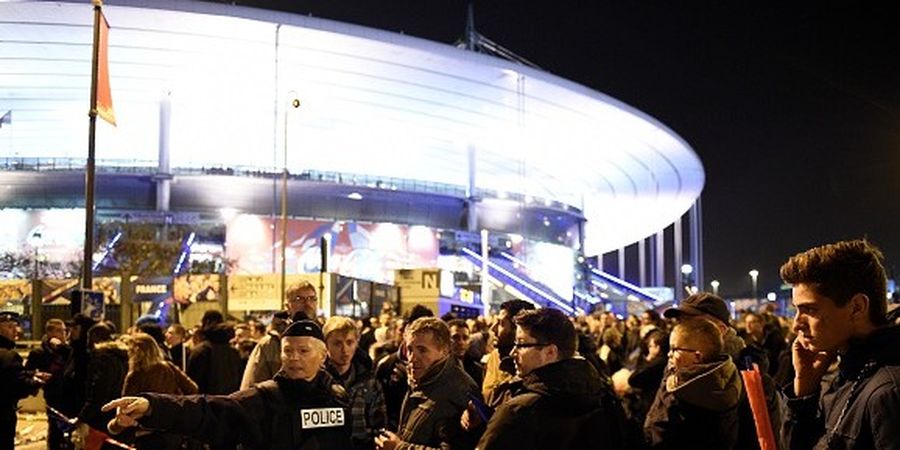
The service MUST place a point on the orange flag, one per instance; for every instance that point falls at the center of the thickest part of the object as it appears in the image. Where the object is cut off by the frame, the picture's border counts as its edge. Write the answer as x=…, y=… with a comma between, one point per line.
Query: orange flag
x=104, y=96
x=756, y=395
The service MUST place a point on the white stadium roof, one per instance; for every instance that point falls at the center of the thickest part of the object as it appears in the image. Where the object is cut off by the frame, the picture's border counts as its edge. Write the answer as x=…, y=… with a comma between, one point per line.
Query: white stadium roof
x=373, y=102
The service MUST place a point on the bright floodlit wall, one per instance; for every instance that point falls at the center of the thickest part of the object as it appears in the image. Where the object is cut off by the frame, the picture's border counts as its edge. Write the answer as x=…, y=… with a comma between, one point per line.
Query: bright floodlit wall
x=373, y=102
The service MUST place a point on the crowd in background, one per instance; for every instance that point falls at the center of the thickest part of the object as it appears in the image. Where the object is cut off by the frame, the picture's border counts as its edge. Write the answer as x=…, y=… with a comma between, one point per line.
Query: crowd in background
x=415, y=381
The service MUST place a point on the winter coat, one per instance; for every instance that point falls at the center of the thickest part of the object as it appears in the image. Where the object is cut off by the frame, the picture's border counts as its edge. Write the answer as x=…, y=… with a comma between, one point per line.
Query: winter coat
x=215, y=365
x=163, y=378
x=17, y=383
x=562, y=405
x=106, y=372
x=366, y=401
x=52, y=360
x=279, y=414
x=859, y=409
x=391, y=375
x=696, y=407
x=264, y=361
x=429, y=417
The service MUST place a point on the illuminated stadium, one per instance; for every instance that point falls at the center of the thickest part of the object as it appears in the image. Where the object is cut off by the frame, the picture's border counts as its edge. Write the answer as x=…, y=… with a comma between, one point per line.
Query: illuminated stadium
x=400, y=149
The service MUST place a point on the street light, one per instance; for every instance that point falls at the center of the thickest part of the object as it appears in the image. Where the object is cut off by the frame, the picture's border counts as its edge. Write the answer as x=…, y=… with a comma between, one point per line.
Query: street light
x=715, y=286
x=771, y=296
x=754, y=274
x=686, y=271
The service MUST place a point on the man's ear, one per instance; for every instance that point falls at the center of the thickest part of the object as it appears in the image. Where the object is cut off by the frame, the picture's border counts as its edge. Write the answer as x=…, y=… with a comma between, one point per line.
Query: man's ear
x=859, y=307
x=551, y=352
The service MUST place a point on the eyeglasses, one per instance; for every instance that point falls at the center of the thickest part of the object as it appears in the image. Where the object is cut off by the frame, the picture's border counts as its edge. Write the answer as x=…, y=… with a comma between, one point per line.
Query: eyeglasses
x=682, y=349
x=517, y=345
x=304, y=298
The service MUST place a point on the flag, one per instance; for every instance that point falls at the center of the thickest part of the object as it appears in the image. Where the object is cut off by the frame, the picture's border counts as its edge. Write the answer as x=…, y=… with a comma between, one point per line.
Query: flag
x=756, y=395
x=104, y=96
x=7, y=118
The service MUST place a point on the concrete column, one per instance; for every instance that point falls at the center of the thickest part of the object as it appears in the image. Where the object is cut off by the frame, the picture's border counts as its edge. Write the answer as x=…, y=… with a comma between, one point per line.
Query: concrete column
x=164, y=172
x=642, y=263
x=678, y=260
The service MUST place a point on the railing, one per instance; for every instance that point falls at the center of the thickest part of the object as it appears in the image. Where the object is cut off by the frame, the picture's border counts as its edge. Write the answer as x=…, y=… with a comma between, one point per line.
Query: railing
x=150, y=167
x=521, y=282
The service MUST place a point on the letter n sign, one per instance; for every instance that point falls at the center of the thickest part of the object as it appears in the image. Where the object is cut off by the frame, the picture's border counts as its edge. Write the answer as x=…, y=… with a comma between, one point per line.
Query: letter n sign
x=430, y=280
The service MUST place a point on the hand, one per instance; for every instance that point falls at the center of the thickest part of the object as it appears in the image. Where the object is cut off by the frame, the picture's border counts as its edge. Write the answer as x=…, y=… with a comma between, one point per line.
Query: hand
x=470, y=419
x=809, y=368
x=129, y=410
x=42, y=377
x=386, y=441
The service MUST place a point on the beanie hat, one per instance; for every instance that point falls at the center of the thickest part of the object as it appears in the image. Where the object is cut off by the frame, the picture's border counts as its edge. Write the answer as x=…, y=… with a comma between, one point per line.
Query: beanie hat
x=304, y=328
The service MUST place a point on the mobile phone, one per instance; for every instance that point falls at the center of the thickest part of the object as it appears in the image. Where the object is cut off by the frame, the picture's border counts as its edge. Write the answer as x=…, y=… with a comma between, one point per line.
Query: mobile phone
x=484, y=411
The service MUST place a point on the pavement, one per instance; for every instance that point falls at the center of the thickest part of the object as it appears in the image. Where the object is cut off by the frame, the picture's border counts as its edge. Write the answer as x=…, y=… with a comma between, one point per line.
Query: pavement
x=31, y=431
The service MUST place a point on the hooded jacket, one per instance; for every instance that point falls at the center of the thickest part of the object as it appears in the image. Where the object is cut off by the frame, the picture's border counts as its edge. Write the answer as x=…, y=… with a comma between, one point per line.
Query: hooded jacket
x=562, y=405
x=17, y=383
x=866, y=392
x=696, y=407
x=279, y=414
x=215, y=365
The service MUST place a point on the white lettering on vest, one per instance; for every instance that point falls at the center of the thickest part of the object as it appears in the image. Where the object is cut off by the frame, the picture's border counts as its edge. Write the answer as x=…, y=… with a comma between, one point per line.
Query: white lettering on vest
x=321, y=417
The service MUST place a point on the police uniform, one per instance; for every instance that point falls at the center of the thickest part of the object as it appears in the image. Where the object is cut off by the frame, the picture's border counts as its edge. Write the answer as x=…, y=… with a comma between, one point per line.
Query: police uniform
x=17, y=383
x=279, y=414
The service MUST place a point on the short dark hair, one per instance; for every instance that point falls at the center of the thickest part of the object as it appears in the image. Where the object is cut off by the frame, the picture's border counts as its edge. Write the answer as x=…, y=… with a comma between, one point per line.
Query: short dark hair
x=440, y=333
x=514, y=307
x=841, y=270
x=460, y=323
x=550, y=326
x=416, y=312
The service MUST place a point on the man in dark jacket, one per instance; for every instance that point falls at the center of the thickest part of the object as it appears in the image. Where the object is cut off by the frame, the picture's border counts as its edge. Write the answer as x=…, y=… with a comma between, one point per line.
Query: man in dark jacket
x=301, y=408
x=17, y=382
x=439, y=389
x=839, y=291
x=354, y=369
x=560, y=401
x=214, y=364
x=459, y=347
x=51, y=357
x=696, y=407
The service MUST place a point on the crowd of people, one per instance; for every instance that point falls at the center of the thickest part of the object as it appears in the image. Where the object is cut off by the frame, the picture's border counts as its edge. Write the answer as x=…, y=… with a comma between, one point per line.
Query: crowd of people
x=524, y=378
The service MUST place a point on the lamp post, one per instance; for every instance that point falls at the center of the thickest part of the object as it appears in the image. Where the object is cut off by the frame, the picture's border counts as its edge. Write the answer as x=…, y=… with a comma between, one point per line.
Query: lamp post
x=293, y=103
x=754, y=275
x=715, y=287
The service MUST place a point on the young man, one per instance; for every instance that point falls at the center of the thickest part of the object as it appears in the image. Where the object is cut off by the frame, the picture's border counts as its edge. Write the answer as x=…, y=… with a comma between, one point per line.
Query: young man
x=697, y=404
x=839, y=291
x=354, y=370
x=51, y=357
x=560, y=401
x=301, y=407
x=500, y=366
x=459, y=347
x=265, y=360
x=439, y=390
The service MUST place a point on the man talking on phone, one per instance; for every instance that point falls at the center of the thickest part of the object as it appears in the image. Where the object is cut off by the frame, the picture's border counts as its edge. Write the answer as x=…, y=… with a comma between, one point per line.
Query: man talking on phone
x=839, y=291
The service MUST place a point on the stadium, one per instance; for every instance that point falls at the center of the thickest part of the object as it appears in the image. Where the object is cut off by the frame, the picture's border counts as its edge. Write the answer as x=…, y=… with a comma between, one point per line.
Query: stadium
x=399, y=152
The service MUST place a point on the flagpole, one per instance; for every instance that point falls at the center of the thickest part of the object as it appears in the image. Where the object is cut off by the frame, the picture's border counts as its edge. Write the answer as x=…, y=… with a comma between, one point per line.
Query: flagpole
x=294, y=104
x=87, y=263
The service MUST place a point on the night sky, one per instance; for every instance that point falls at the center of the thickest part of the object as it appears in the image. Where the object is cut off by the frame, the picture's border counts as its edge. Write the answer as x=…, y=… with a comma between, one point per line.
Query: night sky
x=794, y=109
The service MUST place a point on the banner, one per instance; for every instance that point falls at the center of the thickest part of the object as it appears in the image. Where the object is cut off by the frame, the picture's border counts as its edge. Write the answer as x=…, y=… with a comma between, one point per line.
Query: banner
x=151, y=289
x=104, y=94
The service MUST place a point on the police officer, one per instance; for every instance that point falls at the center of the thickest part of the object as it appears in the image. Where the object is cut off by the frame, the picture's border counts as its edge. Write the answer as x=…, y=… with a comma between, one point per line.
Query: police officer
x=302, y=407
x=17, y=383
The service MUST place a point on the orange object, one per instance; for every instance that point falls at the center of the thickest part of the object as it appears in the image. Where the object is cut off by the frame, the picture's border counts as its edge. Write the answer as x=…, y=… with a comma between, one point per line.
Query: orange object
x=754, y=386
x=104, y=95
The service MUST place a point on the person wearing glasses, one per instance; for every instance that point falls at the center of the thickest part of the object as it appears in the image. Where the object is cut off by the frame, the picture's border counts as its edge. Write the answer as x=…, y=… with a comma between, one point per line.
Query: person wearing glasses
x=839, y=291
x=697, y=404
x=559, y=400
x=300, y=299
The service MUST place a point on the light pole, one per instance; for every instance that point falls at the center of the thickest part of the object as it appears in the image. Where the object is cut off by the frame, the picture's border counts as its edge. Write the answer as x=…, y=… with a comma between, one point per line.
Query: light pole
x=754, y=274
x=771, y=296
x=715, y=287
x=293, y=103
x=686, y=271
